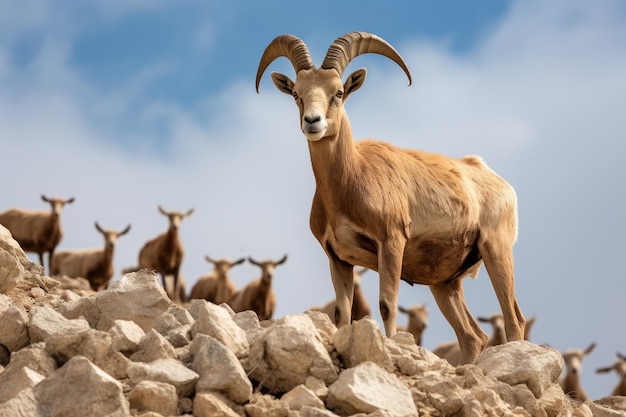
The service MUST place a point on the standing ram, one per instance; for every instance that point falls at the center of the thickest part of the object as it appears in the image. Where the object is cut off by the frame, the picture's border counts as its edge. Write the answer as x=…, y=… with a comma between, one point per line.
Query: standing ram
x=258, y=295
x=95, y=265
x=413, y=216
x=216, y=286
x=37, y=231
x=164, y=254
x=620, y=369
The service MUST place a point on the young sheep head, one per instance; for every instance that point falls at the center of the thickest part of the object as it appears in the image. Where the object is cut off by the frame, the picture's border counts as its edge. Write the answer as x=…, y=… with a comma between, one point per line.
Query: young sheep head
x=111, y=236
x=175, y=217
x=57, y=204
x=319, y=92
x=268, y=267
x=498, y=336
x=222, y=266
x=573, y=359
x=619, y=367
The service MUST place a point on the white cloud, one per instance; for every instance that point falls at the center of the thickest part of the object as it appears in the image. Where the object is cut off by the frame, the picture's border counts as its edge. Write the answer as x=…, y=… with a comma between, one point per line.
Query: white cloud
x=541, y=99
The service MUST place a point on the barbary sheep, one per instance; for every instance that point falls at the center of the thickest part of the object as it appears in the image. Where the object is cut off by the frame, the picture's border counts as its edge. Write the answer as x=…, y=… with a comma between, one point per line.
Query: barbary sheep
x=95, y=265
x=216, y=286
x=498, y=337
x=360, y=306
x=620, y=368
x=418, y=320
x=37, y=231
x=420, y=217
x=258, y=295
x=571, y=383
x=164, y=254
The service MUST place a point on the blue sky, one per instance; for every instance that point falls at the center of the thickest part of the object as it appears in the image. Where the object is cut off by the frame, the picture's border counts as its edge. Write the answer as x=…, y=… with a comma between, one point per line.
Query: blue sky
x=130, y=104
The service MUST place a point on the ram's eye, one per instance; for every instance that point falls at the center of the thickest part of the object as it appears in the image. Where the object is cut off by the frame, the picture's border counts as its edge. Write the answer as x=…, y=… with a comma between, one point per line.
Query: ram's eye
x=339, y=94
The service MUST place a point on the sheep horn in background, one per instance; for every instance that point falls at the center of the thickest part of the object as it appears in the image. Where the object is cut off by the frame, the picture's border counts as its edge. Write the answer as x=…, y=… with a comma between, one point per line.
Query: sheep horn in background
x=347, y=47
x=289, y=46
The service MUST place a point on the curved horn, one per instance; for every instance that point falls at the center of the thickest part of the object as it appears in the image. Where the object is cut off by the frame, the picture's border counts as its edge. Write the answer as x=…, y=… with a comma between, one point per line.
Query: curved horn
x=123, y=232
x=98, y=228
x=254, y=262
x=347, y=47
x=289, y=46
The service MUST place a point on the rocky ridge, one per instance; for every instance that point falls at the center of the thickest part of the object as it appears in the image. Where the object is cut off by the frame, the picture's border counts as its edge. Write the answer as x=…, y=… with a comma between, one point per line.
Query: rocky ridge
x=129, y=351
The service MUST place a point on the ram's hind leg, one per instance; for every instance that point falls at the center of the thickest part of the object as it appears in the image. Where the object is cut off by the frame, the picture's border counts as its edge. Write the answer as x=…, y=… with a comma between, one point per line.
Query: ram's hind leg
x=451, y=301
x=498, y=259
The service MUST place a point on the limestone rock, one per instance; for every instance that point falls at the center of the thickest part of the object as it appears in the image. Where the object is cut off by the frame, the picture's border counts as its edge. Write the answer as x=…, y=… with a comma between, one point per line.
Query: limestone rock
x=94, y=393
x=126, y=336
x=153, y=346
x=219, y=370
x=171, y=371
x=287, y=353
x=137, y=296
x=211, y=404
x=522, y=362
x=45, y=321
x=13, y=325
x=362, y=341
x=300, y=397
x=159, y=397
x=217, y=322
x=366, y=388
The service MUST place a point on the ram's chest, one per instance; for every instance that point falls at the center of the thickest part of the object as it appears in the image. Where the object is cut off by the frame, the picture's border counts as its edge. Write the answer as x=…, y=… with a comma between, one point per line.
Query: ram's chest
x=350, y=243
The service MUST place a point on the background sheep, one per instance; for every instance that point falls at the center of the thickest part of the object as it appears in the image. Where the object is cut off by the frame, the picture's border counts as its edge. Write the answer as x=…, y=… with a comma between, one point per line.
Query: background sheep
x=498, y=336
x=360, y=306
x=258, y=295
x=571, y=382
x=96, y=265
x=37, y=231
x=418, y=320
x=620, y=368
x=423, y=218
x=216, y=286
x=164, y=254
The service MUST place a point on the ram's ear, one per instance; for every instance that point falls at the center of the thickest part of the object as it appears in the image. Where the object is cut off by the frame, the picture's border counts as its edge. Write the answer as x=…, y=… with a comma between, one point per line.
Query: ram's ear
x=282, y=82
x=354, y=82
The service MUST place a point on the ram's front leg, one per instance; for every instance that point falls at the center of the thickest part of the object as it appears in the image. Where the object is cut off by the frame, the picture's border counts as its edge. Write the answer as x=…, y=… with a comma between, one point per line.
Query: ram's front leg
x=390, y=255
x=343, y=281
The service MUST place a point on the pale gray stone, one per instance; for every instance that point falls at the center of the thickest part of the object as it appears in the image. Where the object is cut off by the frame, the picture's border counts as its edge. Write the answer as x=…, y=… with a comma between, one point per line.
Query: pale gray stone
x=45, y=321
x=13, y=325
x=212, y=404
x=94, y=393
x=287, y=353
x=137, y=296
x=23, y=404
x=153, y=346
x=171, y=371
x=366, y=388
x=522, y=362
x=219, y=369
x=159, y=397
x=17, y=381
x=362, y=341
x=300, y=397
x=169, y=325
x=93, y=344
x=126, y=336
x=217, y=322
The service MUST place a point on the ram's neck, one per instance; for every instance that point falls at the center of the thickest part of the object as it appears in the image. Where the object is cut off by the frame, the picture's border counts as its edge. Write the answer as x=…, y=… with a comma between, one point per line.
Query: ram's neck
x=335, y=160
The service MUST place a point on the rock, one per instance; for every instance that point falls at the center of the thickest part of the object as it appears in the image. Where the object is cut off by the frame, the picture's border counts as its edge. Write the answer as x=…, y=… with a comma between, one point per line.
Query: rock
x=137, y=296
x=287, y=353
x=13, y=325
x=45, y=321
x=92, y=344
x=94, y=393
x=366, y=388
x=217, y=322
x=12, y=261
x=171, y=371
x=153, y=346
x=219, y=370
x=522, y=362
x=17, y=381
x=211, y=404
x=300, y=397
x=22, y=405
x=126, y=336
x=362, y=341
x=159, y=397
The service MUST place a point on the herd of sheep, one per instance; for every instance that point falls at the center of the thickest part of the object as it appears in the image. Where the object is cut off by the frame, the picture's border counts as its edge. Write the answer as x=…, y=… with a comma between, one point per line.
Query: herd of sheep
x=410, y=215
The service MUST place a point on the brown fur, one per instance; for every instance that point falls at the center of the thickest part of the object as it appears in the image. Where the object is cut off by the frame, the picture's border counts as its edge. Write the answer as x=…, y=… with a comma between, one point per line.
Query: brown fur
x=95, y=265
x=258, y=295
x=571, y=383
x=216, y=286
x=37, y=231
x=420, y=217
x=418, y=320
x=620, y=369
x=498, y=337
x=360, y=306
x=164, y=254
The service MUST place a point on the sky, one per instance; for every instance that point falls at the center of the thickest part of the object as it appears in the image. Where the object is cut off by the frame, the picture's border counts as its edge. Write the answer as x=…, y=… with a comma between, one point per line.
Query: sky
x=127, y=105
